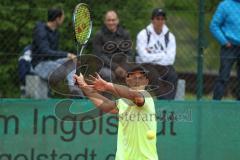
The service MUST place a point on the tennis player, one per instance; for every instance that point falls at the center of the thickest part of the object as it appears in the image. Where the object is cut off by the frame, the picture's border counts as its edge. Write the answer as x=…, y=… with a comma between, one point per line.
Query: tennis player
x=136, y=110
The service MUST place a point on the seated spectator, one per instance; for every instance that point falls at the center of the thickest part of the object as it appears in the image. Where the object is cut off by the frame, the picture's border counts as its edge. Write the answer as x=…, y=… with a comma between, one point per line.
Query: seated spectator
x=46, y=57
x=111, y=44
x=156, y=50
x=24, y=68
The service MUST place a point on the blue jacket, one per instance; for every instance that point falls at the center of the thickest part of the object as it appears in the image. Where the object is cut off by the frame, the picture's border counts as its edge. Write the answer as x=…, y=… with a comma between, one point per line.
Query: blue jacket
x=45, y=44
x=225, y=25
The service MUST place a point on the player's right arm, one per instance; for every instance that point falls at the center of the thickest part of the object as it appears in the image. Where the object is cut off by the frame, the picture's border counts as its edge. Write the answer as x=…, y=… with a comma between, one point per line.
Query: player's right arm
x=98, y=100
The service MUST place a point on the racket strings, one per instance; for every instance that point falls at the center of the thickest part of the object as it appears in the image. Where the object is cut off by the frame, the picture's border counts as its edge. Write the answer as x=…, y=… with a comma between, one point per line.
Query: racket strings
x=82, y=24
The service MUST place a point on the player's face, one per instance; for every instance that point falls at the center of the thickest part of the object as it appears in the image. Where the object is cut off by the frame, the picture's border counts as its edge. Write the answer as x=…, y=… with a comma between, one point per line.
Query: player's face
x=158, y=22
x=137, y=80
x=111, y=21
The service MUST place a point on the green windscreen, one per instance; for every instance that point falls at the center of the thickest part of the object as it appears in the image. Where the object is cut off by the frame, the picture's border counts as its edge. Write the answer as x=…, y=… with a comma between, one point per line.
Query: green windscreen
x=29, y=129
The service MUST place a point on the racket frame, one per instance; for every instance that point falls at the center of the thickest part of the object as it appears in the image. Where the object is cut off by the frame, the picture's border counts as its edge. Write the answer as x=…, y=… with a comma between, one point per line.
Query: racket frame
x=90, y=29
x=81, y=44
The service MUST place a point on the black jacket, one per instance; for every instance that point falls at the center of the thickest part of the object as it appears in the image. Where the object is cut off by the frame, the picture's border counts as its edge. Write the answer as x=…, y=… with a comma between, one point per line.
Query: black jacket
x=45, y=44
x=104, y=36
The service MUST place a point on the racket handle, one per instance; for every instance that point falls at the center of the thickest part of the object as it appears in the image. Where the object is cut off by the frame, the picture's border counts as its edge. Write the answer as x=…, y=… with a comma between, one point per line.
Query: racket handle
x=77, y=73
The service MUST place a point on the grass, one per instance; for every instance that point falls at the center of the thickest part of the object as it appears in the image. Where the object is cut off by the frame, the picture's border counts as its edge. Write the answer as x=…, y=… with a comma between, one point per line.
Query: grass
x=191, y=96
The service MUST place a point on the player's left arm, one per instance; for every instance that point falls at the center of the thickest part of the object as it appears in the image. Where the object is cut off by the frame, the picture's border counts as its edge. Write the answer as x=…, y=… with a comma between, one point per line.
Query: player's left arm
x=125, y=92
x=119, y=90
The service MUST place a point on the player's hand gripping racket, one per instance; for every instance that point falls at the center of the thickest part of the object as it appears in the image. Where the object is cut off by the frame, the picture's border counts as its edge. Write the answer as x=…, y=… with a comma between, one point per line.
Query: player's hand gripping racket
x=82, y=23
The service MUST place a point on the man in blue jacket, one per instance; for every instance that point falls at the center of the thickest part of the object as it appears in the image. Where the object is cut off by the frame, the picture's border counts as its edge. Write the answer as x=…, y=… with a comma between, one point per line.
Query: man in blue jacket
x=46, y=57
x=225, y=27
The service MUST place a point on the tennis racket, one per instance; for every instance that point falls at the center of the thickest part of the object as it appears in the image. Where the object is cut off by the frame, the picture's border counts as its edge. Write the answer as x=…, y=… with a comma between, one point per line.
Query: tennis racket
x=82, y=24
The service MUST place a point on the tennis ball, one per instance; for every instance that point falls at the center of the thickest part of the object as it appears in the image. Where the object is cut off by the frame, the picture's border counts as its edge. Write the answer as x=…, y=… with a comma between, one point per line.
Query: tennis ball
x=151, y=134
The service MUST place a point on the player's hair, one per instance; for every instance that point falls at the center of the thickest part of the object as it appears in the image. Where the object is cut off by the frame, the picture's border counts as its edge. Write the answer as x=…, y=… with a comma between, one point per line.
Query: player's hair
x=54, y=13
x=140, y=69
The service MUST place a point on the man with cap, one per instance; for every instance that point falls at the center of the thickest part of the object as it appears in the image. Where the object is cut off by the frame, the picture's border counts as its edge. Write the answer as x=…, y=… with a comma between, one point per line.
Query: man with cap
x=156, y=50
x=135, y=108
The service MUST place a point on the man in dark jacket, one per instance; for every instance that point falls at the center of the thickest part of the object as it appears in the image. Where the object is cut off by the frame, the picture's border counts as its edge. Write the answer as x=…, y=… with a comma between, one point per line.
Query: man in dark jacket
x=46, y=57
x=112, y=44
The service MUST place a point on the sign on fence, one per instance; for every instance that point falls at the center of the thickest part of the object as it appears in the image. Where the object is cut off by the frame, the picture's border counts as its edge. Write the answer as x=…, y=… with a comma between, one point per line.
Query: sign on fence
x=31, y=130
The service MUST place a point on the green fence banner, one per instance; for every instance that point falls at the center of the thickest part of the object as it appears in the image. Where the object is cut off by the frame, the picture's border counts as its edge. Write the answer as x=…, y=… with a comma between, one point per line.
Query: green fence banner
x=187, y=130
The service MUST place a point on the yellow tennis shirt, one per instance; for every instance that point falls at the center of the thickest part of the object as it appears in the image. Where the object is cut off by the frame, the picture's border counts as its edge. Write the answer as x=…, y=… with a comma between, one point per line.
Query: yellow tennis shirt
x=134, y=122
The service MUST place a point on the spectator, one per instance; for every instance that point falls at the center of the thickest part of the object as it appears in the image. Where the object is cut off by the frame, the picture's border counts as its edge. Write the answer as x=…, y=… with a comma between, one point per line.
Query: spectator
x=24, y=68
x=46, y=56
x=225, y=27
x=156, y=49
x=109, y=41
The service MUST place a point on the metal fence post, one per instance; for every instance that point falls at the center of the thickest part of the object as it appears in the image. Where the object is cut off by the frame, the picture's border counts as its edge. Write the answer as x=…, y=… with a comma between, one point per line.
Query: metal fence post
x=200, y=49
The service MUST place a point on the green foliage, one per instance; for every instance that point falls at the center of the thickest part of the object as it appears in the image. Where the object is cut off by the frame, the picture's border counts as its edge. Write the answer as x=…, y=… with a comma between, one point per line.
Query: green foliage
x=18, y=19
x=181, y=5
